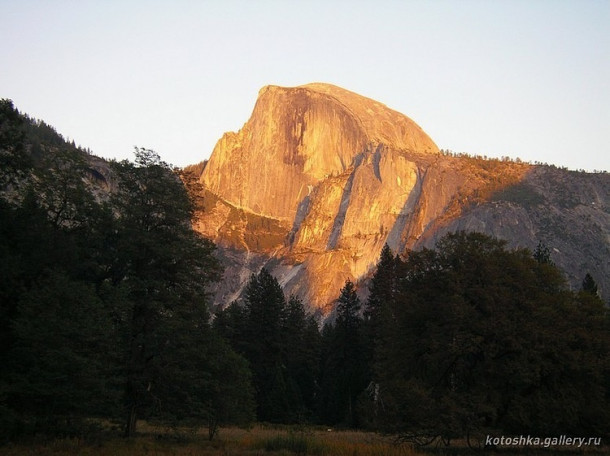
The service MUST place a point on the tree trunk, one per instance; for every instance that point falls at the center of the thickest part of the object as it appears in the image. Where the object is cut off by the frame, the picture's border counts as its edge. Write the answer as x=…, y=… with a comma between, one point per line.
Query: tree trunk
x=350, y=412
x=132, y=421
x=212, y=428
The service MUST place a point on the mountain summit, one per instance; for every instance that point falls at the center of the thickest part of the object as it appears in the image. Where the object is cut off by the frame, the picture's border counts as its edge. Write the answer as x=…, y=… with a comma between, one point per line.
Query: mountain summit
x=320, y=178
x=297, y=137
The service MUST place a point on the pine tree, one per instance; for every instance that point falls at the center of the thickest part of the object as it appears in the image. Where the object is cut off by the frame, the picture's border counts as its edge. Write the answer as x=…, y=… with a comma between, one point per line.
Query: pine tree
x=542, y=254
x=301, y=345
x=230, y=323
x=379, y=317
x=589, y=285
x=381, y=302
x=265, y=306
x=344, y=370
x=382, y=289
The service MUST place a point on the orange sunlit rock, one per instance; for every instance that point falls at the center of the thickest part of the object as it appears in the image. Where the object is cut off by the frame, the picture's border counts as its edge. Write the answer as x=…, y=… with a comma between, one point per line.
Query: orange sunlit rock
x=320, y=178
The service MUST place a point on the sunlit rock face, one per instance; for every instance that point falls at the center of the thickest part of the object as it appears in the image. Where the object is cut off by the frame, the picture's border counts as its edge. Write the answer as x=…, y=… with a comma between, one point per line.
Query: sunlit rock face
x=320, y=178
x=298, y=137
x=326, y=173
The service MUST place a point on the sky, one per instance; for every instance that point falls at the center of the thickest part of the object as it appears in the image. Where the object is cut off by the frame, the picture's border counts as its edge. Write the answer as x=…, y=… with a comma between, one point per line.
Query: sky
x=526, y=79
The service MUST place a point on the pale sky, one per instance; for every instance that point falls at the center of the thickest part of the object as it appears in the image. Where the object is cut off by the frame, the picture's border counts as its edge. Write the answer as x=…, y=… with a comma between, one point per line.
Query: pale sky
x=517, y=78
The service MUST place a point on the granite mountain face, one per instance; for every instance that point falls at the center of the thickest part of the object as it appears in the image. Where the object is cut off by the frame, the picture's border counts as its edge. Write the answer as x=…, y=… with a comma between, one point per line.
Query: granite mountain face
x=320, y=178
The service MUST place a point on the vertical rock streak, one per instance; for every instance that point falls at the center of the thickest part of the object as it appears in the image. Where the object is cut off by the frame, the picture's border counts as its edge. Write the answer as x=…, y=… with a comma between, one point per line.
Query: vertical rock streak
x=343, y=206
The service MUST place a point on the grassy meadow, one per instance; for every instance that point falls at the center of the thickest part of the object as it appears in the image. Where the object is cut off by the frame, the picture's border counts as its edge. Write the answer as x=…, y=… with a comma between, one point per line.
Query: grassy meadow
x=261, y=441
x=258, y=440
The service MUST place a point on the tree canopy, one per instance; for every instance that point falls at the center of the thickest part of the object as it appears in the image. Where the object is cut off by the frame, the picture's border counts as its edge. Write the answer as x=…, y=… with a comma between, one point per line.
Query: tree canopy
x=104, y=300
x=281, y=343
x=485, y=339
x=344, y=364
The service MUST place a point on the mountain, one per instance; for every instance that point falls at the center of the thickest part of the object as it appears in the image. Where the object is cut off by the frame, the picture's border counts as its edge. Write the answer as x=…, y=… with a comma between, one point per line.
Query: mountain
x=320, y=178
x=30, y=146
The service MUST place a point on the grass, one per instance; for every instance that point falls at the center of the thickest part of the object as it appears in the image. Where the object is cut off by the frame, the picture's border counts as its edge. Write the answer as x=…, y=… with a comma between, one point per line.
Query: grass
x=258, y=441
x=321, y=442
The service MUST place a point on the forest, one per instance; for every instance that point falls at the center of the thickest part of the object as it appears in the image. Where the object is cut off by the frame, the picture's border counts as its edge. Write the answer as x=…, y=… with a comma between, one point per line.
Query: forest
x=106, y=318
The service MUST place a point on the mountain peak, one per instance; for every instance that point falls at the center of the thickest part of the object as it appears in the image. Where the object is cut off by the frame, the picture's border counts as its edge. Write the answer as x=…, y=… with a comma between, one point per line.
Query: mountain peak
x=298, y=136
x=319, y=172
x=381, y=124
x=319, y=179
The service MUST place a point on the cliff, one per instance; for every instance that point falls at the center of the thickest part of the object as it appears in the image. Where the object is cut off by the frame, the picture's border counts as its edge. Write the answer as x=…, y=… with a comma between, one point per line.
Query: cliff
x=320, y=178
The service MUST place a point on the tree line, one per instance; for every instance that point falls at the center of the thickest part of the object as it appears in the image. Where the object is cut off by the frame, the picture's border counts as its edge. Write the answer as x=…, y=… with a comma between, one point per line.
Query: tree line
x=104, y=308
x=472, y=339
x=458, y=342
x=105, y=316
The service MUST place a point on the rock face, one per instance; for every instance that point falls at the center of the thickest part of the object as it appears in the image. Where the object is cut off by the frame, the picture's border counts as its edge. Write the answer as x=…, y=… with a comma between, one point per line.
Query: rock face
x=320, y=178
x=295, y=139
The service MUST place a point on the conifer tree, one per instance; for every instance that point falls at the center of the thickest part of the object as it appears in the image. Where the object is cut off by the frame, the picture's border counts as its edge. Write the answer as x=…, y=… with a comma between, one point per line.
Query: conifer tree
x=542, y=254
x=230, y=324
x=301, y=342
x=589, y=285
x=382, y=288
x=57, y=334
x=265, y=306
x=382, y=297
x=61, y=361
x=344, y=369
x=378, y=319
